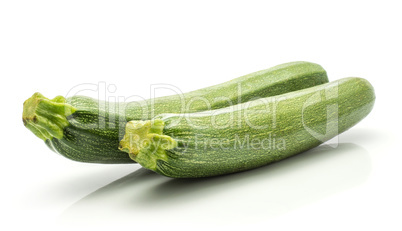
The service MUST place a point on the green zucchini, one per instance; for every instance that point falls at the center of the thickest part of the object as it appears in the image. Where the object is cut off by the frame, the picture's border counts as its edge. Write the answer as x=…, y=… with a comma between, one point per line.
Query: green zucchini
x=87, y=130
x=247, y=135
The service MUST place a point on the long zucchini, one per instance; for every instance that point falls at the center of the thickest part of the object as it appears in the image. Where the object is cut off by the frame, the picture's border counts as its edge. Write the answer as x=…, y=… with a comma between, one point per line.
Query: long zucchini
x=247, y=135
x=84, y=129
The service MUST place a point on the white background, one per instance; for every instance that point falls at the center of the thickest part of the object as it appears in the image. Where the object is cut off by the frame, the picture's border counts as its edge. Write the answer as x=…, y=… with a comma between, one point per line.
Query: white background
x=52, y=46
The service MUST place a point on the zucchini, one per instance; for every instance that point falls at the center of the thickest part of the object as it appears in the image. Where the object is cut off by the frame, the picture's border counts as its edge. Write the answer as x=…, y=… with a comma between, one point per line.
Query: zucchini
x=87, y=130
x=247, y=135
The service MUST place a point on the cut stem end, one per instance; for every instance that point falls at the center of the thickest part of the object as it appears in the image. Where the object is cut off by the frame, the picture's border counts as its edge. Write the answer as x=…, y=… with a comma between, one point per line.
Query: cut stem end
x=145, y=143
x=46, y=118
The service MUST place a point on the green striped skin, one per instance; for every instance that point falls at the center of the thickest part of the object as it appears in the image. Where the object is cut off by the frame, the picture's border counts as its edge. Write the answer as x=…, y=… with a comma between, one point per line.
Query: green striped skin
x=215, y=142
x=95, y=128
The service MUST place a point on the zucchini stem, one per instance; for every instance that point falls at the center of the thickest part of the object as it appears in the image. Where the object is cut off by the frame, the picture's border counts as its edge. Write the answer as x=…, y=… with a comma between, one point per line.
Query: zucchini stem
x=144, y=141
x=46, y=118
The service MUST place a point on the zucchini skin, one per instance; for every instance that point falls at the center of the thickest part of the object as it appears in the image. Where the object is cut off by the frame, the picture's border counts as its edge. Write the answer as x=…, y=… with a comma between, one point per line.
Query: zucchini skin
x=198, y=145
x=85, y=140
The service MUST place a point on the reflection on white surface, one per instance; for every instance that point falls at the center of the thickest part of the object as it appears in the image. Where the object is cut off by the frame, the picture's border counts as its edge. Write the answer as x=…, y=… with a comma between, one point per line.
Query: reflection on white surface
x=247, y=196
